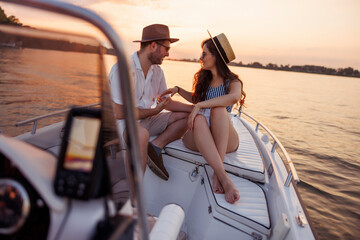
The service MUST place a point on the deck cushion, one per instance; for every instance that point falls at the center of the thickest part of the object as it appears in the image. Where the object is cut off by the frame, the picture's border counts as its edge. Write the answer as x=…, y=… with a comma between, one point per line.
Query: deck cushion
x=246, y=161
x=251, y=209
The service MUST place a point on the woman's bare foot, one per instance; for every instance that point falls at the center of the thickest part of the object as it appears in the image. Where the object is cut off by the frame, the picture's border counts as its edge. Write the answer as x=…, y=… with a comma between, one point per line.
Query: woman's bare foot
x=217, y=188
x=231, y=193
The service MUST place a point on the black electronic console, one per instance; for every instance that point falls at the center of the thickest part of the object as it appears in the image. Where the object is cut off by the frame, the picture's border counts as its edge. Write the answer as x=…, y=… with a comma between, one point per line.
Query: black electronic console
x=81, y=171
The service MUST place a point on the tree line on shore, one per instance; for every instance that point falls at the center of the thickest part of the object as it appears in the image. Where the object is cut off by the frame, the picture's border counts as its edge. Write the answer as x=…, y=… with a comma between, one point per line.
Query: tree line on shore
x=12, y=20
x=347, y=72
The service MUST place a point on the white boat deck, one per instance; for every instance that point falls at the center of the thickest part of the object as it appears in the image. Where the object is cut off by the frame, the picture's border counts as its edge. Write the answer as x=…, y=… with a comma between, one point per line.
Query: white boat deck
x=251, y=209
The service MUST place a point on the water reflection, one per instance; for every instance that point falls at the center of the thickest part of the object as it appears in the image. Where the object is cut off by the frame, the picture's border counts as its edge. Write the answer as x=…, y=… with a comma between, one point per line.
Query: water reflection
x=51, y=80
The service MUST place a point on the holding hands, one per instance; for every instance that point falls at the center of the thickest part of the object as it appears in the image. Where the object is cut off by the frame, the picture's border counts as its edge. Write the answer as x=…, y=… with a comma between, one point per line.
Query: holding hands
x=194, y=109
x=170, y=91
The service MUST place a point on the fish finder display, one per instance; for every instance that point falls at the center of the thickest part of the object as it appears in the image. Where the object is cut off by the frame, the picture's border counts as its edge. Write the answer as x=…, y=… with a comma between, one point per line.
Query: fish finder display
x=82, y=143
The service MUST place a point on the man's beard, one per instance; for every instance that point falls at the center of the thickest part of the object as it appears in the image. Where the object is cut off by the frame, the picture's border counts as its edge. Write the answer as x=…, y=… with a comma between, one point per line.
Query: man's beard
x=155, y=57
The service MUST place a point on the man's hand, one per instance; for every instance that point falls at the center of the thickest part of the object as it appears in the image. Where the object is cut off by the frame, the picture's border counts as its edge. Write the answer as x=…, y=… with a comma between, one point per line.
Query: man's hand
x=162, y=102
x=162, y=98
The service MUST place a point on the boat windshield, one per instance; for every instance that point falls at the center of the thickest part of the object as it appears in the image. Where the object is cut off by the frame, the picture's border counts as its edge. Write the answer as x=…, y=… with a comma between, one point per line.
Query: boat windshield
x=45, y=75
x=43, y=72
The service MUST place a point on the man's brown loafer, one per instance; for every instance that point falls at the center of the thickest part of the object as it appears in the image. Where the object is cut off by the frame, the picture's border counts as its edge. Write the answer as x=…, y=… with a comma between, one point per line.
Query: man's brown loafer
x=155, y=162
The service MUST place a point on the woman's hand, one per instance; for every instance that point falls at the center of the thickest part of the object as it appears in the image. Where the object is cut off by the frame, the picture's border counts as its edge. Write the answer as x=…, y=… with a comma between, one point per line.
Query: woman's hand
x=192, y=116
x=170, y=91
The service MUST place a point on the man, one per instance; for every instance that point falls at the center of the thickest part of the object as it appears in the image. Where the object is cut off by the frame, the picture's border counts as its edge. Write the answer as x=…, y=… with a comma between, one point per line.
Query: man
x=149, y=83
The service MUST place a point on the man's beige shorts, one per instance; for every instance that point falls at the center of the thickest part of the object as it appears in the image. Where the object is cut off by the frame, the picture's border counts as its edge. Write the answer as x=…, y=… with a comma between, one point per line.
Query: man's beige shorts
x=155, y=125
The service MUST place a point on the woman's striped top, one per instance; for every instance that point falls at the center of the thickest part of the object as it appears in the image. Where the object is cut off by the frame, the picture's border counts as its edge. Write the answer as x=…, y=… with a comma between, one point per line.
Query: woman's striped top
x=219, y=91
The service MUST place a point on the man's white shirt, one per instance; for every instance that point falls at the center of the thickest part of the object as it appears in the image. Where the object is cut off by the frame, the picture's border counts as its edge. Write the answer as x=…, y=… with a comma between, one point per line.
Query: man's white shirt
x=145, y=90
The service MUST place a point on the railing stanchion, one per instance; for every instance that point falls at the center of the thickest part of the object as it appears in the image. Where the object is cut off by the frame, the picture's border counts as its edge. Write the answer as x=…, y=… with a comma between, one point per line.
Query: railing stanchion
x=288, y=179
x=33, y=131
x=273, y=147
x=240, y=110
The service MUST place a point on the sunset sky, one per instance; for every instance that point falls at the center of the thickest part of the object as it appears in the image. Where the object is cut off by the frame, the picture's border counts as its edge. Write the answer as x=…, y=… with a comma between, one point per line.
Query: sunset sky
x=320, y=32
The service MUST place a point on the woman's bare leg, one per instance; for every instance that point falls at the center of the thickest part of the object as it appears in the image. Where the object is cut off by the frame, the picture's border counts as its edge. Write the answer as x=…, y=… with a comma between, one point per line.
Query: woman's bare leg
x=225, y=137
x=202, y=140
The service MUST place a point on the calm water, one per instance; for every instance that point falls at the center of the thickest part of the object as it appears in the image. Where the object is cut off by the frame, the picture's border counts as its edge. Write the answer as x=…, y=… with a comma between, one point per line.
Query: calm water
x=316, y=117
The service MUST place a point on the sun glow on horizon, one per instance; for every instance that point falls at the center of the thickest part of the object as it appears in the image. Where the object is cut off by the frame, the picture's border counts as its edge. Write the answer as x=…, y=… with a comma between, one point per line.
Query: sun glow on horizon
x=324, y=32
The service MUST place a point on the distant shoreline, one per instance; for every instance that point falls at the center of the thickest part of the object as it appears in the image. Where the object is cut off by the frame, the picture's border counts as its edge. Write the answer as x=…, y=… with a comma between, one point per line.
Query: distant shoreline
x=343, y=72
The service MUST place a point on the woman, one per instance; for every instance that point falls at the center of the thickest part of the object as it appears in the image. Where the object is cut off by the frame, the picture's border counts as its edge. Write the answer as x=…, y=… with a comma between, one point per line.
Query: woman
x=216, y=90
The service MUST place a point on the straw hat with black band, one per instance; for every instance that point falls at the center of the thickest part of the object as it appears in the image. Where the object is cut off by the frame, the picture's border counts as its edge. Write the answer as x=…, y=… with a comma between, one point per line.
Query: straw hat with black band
x=223, y=47
x=156, y=32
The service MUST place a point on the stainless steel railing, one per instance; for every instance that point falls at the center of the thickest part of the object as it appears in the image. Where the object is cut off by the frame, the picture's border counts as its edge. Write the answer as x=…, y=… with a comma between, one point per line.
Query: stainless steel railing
x=52, y=114
x=292, y=174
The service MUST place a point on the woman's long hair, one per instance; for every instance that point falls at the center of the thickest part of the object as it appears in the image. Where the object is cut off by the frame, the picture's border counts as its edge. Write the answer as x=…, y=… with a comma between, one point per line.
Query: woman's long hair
x=203, y=77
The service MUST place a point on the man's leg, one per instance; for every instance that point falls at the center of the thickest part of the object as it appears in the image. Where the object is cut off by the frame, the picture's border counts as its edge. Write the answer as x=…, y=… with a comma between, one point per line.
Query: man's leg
x=176, y=128
x=143, y=137
x=175, y=124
